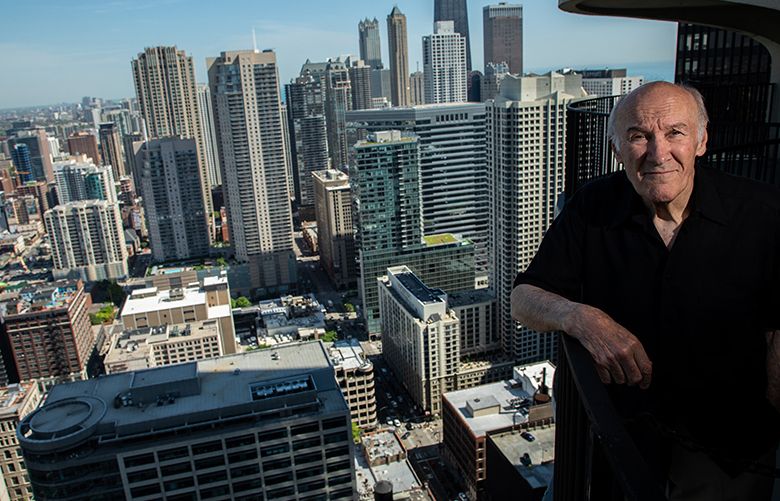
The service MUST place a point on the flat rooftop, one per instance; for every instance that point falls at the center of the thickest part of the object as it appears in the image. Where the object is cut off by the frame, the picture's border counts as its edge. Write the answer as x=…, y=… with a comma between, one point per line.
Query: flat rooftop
x=204, y=390
x=464, y=298
x=420, y=291
x=12, y=396
x=42, y=297
x=541, y=452
x=502, y=392
x=348, y=353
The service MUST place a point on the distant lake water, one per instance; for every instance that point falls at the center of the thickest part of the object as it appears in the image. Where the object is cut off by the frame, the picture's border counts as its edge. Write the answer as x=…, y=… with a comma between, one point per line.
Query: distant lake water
x=663, y=70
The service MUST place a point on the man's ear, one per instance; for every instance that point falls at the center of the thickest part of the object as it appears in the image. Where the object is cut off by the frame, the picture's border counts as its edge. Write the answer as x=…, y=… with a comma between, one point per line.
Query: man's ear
x=616, y=151
x=702, y=147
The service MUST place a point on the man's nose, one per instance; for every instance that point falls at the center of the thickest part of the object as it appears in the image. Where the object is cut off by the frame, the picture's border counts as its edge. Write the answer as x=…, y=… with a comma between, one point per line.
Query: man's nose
x=658, y=150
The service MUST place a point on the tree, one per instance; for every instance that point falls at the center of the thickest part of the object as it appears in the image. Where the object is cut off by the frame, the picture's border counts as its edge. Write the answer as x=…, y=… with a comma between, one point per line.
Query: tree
x=108, y=291
x=349, y=307
x=241, y=302
x=355, y=432
x=330, y=336
x=221, y=262
x=104, y=316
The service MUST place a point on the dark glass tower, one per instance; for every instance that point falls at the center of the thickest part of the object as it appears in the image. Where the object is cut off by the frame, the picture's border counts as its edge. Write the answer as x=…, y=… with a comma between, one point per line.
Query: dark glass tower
x=20, y=154
x=455, y=10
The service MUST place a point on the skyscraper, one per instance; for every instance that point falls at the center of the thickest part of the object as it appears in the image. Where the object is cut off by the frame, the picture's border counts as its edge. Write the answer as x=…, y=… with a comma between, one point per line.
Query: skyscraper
x=399, y=58
x=80, y=179
x=385, y=181
x=360, y=80
x=111, y=149
x=453, y=175
x=609, y=82
x=168, y=99
x=87, y=240
x=370, y=45
x=503, y=33
x=305, y=102
x=169, y=177
x=20, y=154
x=444, y=64
x=37, y=148
x=456, y=11
x=268, y=424
x=84, y=143
x=209, y=135
x=248, y=120
x=339, y=101
x=526, y=127
x=333, y=208
x=494, y=73
x=417, y=87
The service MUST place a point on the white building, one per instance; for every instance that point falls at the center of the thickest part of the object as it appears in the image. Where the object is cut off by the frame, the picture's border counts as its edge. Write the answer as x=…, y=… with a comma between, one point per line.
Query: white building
x=526, y=130
x=444, y=64
x=355, y=375
x=206, y=113
x=608, y=82
x=87, y=240
x=78, y=178
x=421, y=336
x=248, y=120
x=197, y=301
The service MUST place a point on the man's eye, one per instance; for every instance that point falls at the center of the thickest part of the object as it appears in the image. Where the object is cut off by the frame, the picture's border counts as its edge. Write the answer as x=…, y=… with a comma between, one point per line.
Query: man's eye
x=636, y=137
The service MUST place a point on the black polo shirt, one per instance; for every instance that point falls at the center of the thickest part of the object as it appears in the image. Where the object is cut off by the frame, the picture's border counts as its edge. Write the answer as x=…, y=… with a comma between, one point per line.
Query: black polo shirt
x=699, y=309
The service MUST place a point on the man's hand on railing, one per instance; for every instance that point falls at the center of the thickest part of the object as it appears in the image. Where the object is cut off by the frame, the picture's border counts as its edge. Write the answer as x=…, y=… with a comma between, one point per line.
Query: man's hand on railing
x=618, y=354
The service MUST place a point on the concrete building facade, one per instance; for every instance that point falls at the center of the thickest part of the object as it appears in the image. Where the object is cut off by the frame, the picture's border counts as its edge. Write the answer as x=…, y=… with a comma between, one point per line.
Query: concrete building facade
x=87, y=241
x=444, y=65
x=333, y=209
x=268, y=424
x=80, y=179
x=16, y=402
x=167, y=97
x=84, y=143
x=526, y=130
x=248, y=119
x=176, y=303
x=370, y=44
x=355, y=376
x=111, y=149
x=421, y=337
x=457, y=12
x=399, y=58
x=502, y=27
x=176, y=217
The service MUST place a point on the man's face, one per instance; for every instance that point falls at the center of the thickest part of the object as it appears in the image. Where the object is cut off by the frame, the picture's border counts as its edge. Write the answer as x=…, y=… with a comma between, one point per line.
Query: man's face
x=658, y=141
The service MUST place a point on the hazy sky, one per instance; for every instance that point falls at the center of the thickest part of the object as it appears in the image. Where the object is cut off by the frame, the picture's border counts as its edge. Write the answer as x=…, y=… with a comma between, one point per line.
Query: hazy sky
x=56, y=51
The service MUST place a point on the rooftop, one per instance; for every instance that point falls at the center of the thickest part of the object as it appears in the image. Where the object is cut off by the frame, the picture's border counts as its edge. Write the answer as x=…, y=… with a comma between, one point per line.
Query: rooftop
x=541, y=453
x=418, y=288
x=179, y=395
x=502, y=393
x=42, y=297
x=463, y=298
x=153, y=299
x=12, y=396
x=348, y=354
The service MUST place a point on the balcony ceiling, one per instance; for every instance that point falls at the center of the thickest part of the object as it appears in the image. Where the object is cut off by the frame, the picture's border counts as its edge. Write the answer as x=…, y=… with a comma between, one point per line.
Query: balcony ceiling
x=759, y=18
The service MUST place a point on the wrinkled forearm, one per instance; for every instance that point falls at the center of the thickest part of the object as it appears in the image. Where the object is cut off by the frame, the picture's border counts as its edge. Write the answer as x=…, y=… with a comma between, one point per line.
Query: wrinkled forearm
x=541, y=310
x=773, y=368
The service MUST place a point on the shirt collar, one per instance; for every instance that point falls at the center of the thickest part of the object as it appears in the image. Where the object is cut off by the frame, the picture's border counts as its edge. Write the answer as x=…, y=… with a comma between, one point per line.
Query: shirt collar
x=705, y=200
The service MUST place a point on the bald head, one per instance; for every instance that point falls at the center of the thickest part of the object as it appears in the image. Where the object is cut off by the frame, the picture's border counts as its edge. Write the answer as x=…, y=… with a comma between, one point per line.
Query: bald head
x=632, y=100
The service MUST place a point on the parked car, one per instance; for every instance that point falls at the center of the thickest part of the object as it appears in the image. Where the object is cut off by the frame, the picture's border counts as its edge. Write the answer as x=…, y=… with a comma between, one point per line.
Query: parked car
x=397, y=423
x=405, y=435
x=528, y=436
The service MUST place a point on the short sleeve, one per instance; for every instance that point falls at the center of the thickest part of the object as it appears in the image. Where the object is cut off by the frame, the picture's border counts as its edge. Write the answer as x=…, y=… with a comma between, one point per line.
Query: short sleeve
x=557, y=265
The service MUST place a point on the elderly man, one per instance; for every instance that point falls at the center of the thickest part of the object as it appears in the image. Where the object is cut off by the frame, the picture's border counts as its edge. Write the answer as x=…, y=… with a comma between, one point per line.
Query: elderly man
x=670, y=277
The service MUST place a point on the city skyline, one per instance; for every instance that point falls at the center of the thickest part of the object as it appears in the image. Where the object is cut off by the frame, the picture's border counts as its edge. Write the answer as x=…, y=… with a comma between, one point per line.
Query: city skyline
x=94, y=59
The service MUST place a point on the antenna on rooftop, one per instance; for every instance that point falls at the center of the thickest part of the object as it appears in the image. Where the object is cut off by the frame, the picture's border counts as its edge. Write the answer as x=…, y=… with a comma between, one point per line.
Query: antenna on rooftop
x=254, y=40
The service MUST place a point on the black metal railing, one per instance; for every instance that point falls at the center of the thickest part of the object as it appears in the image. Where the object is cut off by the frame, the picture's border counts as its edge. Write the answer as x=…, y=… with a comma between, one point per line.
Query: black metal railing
x=595, y=458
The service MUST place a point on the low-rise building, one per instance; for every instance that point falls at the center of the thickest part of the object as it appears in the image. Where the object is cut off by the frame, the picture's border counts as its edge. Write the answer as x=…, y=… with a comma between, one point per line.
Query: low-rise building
x=138, y=349
x=470, y=416
x=48, y=332
x=175, y=302
x=355, y=375
x=523, y=461
x=16, y=401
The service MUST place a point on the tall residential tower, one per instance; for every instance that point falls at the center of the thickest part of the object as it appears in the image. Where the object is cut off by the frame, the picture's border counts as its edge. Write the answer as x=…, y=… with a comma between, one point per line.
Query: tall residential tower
x=248, y=119
x=399, y=58
x=456, y=11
